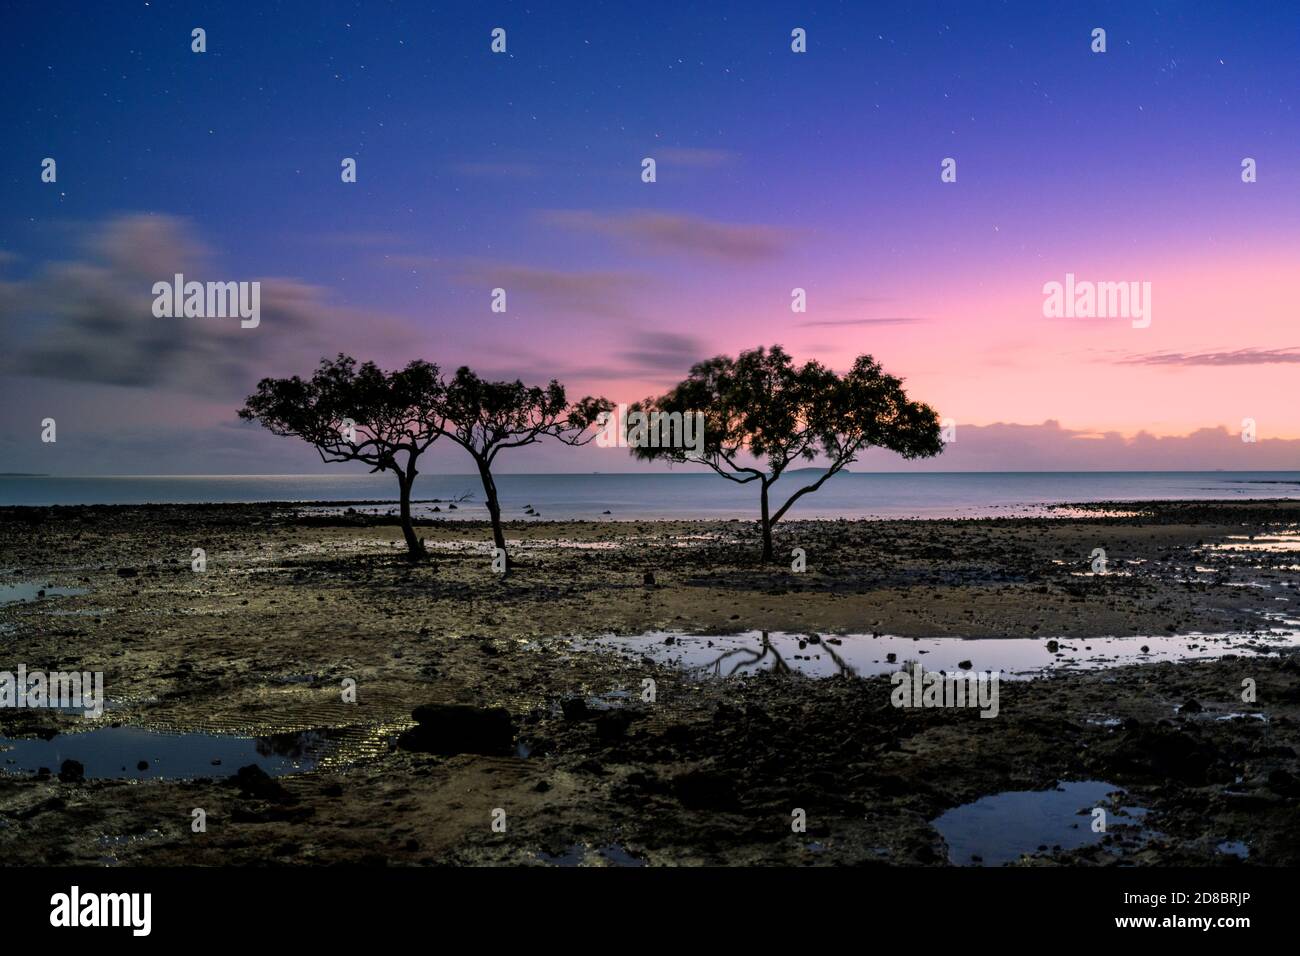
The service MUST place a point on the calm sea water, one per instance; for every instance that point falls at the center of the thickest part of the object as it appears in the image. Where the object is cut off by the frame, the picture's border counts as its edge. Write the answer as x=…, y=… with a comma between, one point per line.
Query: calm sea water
x=676, y=494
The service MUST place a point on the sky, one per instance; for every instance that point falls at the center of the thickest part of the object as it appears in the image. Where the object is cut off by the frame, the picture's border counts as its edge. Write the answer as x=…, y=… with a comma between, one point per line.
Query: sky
x=775, y=170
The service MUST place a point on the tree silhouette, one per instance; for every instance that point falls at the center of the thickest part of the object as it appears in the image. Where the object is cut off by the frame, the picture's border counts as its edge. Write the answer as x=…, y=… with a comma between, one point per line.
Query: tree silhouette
x=364, y=414
x=762, y=406
x=485, y=418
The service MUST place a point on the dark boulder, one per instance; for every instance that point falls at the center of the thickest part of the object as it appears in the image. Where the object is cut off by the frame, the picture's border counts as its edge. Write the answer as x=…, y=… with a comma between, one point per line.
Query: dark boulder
x=705, y=790
x=459, y=729
x=256, y=783
x=575, y=708
x=612, y=725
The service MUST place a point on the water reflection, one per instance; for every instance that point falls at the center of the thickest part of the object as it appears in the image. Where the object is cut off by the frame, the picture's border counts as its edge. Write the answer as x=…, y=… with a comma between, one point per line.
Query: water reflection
x=133, y=753
x=822, y=655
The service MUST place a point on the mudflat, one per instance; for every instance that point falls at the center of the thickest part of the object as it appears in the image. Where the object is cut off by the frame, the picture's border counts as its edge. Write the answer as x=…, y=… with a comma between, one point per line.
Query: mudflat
x=310, y=635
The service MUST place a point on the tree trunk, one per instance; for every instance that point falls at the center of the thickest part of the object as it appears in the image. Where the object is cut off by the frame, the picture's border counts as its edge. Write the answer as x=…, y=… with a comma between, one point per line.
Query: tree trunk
x=494, y=508
x=414, y=548
x=767, y=528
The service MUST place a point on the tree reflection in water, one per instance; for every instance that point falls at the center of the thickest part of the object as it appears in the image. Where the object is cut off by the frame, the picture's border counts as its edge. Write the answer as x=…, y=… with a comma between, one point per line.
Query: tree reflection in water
x=733, y=661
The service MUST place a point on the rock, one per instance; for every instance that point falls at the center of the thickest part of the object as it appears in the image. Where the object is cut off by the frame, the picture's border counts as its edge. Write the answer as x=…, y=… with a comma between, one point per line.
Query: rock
x=575, y=708
x=1283, y=782
x=705, y=789
x=459, y=729
x=1190, y=706
x=612, y=725
x=1162, y=752
x=255, y=782
x=72, y=772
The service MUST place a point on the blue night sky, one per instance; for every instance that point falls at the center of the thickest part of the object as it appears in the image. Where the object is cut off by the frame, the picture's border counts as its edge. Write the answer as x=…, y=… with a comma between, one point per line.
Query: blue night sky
x=522, y=170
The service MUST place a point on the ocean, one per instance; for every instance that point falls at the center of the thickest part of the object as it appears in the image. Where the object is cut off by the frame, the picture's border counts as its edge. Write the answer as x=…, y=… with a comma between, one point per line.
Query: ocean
x=672, y=494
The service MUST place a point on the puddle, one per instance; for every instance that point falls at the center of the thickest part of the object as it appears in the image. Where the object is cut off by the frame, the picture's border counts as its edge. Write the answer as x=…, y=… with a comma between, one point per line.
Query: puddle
x=1282, y=542
x=1234, y=848
x=119, y=753
x=580, y=854
x=999, y=829
x=866, y=655
x=32, y=591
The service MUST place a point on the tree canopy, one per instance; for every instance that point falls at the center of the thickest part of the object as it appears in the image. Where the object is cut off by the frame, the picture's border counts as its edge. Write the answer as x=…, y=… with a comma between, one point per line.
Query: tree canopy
x=486, y=418
x=764, y=414
x=359, y=413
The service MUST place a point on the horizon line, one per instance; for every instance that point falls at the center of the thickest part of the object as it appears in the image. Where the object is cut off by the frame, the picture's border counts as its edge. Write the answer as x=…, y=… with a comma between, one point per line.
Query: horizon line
x=702, y=471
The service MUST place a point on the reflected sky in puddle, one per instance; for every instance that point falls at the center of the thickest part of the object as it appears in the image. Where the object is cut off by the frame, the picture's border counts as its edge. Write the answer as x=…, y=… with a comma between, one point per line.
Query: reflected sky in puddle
x=999, y=829
x=865, y=655
x=117, y=753
x=1283, y=541
x=580, y=854
x=34, y=591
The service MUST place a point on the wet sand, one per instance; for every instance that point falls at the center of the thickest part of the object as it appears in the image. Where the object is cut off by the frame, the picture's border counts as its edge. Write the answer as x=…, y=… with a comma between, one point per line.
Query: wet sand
x=292, y=605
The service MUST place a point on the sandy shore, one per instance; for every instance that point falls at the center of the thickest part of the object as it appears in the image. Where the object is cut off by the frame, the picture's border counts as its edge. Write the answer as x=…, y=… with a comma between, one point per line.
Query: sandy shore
x=290, y=607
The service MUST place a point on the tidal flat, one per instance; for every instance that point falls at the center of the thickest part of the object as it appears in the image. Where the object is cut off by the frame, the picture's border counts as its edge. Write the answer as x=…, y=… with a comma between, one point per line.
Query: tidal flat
x=521, y=701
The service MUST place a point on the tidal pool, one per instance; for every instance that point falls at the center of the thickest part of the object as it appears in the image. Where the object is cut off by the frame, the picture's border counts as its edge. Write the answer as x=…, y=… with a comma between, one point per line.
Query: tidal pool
x=133, y=753
x=999, y=829
x=34, y=591
x=580, y=854
x=825, y=655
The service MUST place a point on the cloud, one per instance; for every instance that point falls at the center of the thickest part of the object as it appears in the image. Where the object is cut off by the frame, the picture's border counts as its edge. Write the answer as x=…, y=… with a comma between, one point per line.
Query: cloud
x=655, y=359
x=666, y=353
x=679, y=233
x=90, y=319
x=1286, y=356
x=1049, y=446
x=603, y=294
